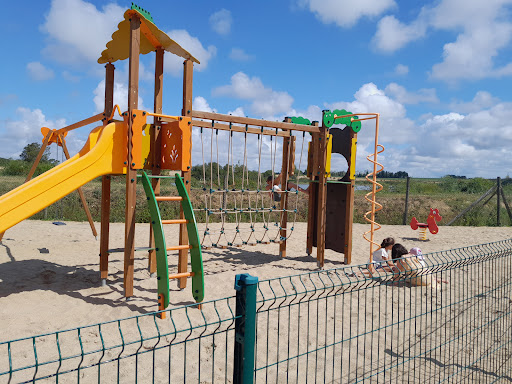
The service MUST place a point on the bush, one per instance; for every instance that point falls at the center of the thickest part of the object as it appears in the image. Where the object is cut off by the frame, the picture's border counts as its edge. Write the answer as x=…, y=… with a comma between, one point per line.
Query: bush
x=16, y=168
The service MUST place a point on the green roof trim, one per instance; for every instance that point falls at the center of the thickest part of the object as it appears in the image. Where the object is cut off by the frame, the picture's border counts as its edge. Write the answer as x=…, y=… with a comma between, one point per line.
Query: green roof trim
x=329, y=116
x=299, y=120
x=143, y=12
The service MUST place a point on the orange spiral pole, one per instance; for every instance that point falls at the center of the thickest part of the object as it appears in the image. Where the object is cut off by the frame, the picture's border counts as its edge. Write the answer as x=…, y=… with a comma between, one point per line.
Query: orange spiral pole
x=376, y=187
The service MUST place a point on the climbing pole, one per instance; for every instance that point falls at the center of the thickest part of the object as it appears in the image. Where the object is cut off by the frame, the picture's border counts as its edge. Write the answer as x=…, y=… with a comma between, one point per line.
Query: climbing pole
x=161, y=248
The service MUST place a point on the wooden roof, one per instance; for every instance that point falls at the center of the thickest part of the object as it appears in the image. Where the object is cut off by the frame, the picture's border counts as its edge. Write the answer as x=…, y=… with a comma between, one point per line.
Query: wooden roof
x=151, y=38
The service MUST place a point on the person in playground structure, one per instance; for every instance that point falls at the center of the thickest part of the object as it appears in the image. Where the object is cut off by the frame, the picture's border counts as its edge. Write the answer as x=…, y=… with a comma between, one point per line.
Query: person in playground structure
x=381, y=258
x=276, y=188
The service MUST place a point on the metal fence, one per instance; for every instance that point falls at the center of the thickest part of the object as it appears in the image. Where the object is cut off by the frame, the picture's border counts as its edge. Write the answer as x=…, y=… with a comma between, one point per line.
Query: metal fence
x=334, y=326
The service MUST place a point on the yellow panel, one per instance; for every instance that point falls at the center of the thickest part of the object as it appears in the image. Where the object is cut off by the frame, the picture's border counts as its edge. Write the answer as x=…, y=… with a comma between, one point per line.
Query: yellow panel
x=103, y=154
x=147, y=139
x=119, y=47
x=353, y=159
x=329, y=152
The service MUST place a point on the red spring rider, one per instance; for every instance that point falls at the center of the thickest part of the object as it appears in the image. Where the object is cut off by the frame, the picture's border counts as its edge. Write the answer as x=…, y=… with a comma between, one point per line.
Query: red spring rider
x=431, y=224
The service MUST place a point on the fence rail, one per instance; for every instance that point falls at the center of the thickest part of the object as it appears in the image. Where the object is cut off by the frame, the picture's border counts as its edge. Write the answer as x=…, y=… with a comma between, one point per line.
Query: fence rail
x=335, y=326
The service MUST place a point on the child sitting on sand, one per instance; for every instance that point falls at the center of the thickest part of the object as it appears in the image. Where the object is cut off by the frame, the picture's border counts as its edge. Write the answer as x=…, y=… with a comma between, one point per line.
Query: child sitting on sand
x=381, y=258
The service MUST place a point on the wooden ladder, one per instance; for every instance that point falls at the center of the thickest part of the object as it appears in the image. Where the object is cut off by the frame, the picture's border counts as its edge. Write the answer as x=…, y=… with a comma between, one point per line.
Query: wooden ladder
x=194, y=244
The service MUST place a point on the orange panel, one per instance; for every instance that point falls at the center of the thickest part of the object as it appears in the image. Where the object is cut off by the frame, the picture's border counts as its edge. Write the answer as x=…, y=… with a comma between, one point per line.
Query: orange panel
x=54, y=138
x=138, y=123
x=176, y=145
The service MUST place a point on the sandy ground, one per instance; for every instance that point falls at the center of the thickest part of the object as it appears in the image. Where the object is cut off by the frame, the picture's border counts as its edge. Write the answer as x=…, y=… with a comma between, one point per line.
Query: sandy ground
x=49, y=275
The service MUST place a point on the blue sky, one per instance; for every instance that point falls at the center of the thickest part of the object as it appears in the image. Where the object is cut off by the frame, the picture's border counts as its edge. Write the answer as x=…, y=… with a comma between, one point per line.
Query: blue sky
x=438, y=72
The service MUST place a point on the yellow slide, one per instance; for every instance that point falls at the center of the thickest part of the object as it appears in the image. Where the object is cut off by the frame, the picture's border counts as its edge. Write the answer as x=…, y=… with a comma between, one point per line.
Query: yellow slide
x=104, y=153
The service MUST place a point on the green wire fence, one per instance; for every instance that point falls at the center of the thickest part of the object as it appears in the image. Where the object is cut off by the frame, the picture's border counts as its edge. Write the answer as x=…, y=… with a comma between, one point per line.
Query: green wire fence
x=332, y=326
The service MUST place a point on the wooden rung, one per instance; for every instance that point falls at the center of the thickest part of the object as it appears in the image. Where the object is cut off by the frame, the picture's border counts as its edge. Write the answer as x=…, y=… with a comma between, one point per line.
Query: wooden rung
x=169, y=198
x=175, y=221
x=178, y=247
x=180, y=275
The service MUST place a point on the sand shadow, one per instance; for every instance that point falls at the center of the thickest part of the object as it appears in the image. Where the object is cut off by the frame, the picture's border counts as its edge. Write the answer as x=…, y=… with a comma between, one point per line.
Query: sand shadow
x=35, y=274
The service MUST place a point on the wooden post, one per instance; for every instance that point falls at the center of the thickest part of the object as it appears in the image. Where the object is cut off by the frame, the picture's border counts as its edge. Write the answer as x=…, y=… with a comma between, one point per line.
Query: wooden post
x=312, y=191
x=322, y=195
x=506, y=206
x=188, y=68
x=284, y=196
x=131, y=174
x=156, y=151
x=80, y=192
x=406, y=213
x=349, y=205
x=106, y=180
x=498, y=194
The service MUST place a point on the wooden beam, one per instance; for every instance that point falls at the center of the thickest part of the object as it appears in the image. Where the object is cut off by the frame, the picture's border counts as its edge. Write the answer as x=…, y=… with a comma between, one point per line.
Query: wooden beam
x=80, y=191
x=188, y=68
x=131, y=174
x=106, y=181
x=349, y=207
x=39, y=155
x=81, y=123
x=255, y=122
x=504, y=201
x=284, y=196
x=322, y=195
x=156, y=147
x=237, y=128
x=312, y=164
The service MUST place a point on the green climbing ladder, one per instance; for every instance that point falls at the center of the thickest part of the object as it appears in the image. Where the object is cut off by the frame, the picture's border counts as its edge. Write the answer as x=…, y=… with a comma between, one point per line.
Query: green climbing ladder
x=162, y=266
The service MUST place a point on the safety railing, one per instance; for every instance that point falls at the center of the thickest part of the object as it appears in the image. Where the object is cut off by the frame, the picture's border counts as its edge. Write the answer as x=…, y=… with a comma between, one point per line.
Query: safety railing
x=341, y=326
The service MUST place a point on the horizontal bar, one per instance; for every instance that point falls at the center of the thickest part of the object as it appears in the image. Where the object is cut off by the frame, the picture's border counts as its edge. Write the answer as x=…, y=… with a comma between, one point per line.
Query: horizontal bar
x=181, y=275
x=175, y=221
x=118, y=250
x=169, y=198
x=255, y=122
x=238, y=128
x=328, y=181
x=178, y=247
x=159, y=176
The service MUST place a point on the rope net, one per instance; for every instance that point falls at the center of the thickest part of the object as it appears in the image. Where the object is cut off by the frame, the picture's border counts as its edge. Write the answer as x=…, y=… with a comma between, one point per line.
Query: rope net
x=239, y=206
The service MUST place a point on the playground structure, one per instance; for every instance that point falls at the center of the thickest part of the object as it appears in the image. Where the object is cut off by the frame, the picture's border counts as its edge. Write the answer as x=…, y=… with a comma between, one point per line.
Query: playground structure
x=131, y=145
x=433, y=216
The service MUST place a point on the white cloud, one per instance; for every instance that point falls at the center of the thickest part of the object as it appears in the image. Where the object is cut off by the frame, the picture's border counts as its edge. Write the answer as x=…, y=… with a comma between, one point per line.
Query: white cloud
x=482, y=100
x=479, y=40
x=70, y=77
x=39, y=72
x=200, y=104
x=265, y=102
x=120, y=96
x=239, y=111
x=392, y=35
x=403, y=96
x=238, y=54
x=78, y=31
x=174, y=64
x=26, y=129
x=346, y=13
x=401, y=69
x=221, y=22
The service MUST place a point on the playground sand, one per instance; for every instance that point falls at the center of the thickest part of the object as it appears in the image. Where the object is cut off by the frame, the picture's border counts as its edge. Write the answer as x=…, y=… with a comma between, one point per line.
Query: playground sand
x=49, y=277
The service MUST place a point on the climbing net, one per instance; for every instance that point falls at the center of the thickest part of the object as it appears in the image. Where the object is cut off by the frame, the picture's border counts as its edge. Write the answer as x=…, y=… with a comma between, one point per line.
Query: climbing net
x=238, y=208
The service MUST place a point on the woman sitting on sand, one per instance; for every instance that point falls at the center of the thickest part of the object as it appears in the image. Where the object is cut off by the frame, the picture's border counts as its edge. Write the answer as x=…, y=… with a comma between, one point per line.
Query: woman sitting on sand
x=411, y=267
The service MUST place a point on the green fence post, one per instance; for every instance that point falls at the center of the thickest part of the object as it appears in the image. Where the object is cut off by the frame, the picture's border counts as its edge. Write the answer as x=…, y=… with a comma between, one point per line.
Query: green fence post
x=245, y=328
